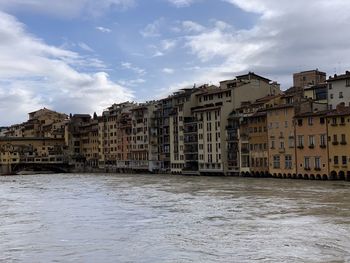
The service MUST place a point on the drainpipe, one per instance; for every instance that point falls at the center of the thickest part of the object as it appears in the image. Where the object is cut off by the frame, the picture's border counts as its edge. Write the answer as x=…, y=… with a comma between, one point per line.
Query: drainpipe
x=328, y=165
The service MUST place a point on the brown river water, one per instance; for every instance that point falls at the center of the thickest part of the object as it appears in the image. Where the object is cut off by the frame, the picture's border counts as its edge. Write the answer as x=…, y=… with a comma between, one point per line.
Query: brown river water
x=163, y=218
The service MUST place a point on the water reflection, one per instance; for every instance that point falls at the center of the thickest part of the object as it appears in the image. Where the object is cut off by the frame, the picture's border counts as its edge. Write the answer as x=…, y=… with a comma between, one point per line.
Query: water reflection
x=148, y=218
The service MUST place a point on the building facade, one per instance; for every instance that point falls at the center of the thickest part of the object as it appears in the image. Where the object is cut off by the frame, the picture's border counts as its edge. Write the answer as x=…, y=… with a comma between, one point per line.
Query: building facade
x=339, y=90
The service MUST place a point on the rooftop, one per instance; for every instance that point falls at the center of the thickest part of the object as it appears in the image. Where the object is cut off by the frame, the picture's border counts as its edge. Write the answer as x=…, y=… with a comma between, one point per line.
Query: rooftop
x=339, y=77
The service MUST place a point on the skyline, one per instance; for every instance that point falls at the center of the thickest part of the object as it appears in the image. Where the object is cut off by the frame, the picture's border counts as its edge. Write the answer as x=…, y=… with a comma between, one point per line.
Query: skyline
x=81, y=56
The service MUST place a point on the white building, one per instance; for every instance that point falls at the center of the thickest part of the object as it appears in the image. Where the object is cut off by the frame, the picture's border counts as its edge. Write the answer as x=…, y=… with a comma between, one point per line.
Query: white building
x=339, y=90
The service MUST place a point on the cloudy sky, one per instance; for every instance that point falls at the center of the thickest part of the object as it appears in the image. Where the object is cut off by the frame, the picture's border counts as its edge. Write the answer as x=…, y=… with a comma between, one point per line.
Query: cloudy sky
x=83, y=55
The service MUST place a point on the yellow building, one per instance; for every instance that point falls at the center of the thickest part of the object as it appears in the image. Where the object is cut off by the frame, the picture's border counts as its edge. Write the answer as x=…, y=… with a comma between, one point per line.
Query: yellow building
x=338, y=122
x=311, y=145
x=281, y=138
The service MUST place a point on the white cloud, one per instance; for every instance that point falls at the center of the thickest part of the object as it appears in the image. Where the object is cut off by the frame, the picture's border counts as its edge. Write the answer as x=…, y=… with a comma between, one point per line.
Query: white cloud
x=158, y=54
x=168, y=70
x=181, y=3
x=67, y=8
x=152, y=29
x=288, y=37
x=34, y=74
x=168, y=44
x=103, y=29
x=132, y=82
x=190, y=26
x=85, y=46
x=130, y=66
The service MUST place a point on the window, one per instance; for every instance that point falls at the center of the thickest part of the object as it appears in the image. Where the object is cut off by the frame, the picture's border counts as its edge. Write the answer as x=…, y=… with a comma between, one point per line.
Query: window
x=343, y=139
x=286, y=124
x=291, y=142
x=311, y=141
x=300, y=122
x=331, y=96
x=336, y=161
x=341, y=95
x=300, y=141
x=322, y=121
x=272, y=144
x=309, y=120
x=348, y=82
x=334, y=121
x=343, y=160
x=335, y=138
x=317, y=163
x=276, y=161
x=323, y=140
x=330, y=86
x=288, y=161
x=307, y=162
x=281, y=144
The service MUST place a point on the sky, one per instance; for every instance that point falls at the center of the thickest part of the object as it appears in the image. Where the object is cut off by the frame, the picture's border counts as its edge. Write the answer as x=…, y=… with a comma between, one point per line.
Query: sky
x=81, y=56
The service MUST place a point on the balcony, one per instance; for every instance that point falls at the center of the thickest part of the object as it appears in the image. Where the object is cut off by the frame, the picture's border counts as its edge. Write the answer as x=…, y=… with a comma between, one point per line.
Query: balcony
x=343, y=142
x=323, y=146
x=335, y=143
x=311, y=146
x=300, y=147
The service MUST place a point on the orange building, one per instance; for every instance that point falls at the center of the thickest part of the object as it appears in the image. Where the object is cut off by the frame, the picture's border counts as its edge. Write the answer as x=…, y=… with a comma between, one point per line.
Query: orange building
x=258, y=141
x=338, y=121
x=311, y=145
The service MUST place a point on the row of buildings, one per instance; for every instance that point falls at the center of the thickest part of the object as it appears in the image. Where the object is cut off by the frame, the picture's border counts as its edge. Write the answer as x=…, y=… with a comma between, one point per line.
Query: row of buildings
x=244, y=126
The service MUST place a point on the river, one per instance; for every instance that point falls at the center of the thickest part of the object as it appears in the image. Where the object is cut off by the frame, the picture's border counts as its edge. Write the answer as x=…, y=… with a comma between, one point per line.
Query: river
x=163, y=218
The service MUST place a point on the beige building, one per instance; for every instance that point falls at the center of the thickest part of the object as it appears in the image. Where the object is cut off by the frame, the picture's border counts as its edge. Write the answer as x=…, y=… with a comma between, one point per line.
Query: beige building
x=309, y=77
x=281, y=137
x=23, y=152
x=41, y=123
x=109, y=134
x=144, y=142
x=181, y=108
x=211, y=108
x=317, y=93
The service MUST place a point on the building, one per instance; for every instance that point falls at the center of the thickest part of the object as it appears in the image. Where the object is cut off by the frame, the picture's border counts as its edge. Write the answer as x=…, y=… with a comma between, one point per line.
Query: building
x=41, y=123
x=338, y=90
x=309, y=77
x=191, y=146
x=144, y=142
x=81, y=138
x=212, y=109
x=17, y=153
x=311, y=142
x=338, y=121
x=124, y=137
x=258, y=144
x=109, y=135
x=181, y=109
x=317, y=93
x=280, y=127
